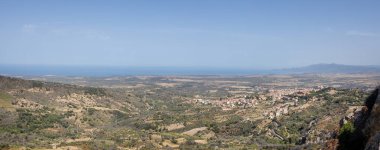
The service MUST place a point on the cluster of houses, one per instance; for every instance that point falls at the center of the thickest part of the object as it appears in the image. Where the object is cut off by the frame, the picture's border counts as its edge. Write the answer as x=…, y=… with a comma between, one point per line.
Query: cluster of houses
x=235, y=102
x=277, y=111
x=272, y=96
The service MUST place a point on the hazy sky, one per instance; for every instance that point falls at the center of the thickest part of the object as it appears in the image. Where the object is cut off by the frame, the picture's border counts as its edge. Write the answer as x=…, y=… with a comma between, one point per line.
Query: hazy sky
x=198, y=33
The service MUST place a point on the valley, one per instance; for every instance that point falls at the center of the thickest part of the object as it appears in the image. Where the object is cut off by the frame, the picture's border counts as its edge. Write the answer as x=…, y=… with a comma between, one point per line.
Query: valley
x=178, y=112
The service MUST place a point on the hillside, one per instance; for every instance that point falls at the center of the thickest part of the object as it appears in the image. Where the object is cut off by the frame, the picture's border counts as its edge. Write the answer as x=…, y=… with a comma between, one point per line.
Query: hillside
x=44, y=114
x=182, y=113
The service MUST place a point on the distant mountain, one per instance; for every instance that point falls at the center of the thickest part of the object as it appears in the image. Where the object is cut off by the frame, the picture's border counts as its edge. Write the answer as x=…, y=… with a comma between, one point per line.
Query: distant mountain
x=332, y=68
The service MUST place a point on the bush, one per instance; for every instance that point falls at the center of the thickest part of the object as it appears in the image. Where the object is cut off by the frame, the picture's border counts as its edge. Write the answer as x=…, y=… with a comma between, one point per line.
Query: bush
x=30, y=121
x=345, y=134
x=214, y=127
x=37, y=84
x=233, y=120
x=91, y=111
x=95, y=91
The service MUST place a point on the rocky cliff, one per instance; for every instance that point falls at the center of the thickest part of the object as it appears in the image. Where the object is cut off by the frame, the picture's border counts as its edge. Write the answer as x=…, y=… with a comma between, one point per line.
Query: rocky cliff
x=361, y=129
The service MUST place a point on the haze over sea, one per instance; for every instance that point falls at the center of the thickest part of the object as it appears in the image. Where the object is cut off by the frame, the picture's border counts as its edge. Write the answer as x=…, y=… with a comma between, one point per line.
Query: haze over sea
x=40, y=70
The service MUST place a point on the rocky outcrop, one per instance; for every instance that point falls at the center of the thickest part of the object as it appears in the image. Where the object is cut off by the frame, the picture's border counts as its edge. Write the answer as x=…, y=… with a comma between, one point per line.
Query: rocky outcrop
x=24, y=103
x=366, y=126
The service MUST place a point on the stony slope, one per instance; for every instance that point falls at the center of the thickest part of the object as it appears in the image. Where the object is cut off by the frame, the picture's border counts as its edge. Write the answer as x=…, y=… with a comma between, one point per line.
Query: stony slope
x=361, y=130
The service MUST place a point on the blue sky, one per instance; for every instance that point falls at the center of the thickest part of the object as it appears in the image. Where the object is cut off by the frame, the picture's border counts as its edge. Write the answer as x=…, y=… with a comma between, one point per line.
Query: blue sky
x=193, y=33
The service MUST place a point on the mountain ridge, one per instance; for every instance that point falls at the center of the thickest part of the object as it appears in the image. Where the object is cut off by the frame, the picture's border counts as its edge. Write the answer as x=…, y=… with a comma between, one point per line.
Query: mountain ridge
x=333, y=68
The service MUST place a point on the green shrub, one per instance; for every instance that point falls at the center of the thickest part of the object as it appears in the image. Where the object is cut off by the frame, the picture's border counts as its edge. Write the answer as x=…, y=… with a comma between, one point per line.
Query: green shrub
x=29, y=121
x=91, y=111
x=95, y=91
x=345, y=133
x=37, y=84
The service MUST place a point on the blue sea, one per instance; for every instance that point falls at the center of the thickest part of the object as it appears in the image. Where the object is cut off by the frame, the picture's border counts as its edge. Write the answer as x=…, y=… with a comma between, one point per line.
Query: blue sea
x=39, y=70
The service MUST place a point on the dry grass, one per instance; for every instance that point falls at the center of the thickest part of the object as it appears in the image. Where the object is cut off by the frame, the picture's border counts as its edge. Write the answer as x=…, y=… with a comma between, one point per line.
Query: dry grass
x=6, y=101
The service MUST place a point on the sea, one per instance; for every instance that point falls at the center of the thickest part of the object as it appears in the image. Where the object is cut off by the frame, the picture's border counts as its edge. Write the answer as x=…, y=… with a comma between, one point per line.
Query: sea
x=60, y=70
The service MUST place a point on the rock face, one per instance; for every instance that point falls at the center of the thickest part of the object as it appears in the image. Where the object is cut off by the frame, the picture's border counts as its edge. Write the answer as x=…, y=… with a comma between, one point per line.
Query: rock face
x=24, y=103
x=372, y=126
x=366, y=123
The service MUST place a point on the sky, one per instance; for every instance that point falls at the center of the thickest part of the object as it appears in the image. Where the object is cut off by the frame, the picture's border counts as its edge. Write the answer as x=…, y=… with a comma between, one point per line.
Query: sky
x=194, y=33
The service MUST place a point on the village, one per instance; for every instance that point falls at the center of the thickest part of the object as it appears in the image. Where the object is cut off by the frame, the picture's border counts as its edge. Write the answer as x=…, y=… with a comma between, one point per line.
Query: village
x=280, y=101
